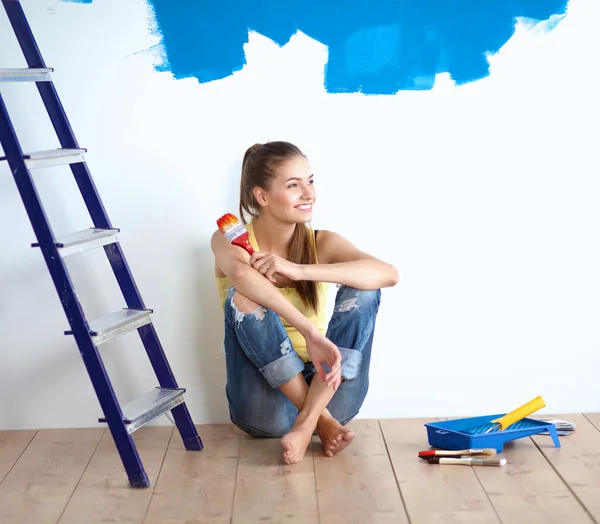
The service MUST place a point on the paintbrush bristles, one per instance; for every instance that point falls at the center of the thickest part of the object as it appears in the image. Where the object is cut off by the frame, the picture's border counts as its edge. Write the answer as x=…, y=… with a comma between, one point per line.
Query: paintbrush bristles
x=227, y=222
x=231, y=227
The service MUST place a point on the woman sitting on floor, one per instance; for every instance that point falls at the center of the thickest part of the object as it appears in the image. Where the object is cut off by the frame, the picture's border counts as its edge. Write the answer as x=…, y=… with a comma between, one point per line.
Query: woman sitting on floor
x=276, y=335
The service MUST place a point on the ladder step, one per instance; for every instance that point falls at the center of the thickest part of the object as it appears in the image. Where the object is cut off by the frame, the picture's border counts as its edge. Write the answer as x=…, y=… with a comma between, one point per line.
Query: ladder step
x=116, y=324
x=54, y=157
x=83, y=240
x=149, y=406
x=26, y=75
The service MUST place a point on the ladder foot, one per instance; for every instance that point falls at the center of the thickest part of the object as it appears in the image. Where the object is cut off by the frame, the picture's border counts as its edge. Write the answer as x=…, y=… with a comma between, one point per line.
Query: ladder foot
x=193, y=444
x=139, y=481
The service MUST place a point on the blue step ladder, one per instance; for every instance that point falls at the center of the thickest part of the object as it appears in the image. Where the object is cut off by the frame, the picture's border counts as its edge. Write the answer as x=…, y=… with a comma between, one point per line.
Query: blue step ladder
x=122, y=420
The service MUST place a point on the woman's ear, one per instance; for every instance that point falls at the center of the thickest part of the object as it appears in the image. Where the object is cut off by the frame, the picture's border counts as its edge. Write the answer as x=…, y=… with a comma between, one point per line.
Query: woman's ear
x=260, y=195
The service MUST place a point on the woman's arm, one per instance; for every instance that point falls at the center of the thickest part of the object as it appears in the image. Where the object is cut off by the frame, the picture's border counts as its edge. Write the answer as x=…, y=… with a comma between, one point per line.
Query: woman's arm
x=339, y=262
x=234, y=262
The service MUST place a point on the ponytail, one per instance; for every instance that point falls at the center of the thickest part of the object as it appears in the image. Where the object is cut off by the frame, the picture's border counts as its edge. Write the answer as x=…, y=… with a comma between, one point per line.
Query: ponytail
x=248, y=203
x=302, y=249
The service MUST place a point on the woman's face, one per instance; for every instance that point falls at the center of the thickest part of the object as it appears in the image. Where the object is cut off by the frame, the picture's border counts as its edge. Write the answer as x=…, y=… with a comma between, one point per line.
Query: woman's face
x=292, y=193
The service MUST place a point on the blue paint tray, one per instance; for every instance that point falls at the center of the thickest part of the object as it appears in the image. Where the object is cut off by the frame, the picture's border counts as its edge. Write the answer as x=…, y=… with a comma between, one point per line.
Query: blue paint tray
x=469, y=433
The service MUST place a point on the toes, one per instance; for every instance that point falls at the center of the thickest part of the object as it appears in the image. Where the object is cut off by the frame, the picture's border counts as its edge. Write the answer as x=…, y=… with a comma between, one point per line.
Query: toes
x=291, y=455
x=288, y=451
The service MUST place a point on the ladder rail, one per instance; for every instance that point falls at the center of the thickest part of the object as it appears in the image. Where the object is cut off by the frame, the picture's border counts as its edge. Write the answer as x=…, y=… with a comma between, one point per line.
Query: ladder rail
x=67, y=139
x=100, y=219
x=72, y=308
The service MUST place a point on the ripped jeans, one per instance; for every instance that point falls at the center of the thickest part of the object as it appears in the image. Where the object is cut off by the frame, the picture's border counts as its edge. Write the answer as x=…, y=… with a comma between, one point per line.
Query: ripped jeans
x=260, y=358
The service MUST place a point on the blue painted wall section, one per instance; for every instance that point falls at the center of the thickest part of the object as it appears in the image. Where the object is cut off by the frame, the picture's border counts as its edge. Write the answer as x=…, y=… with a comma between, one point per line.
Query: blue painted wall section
x=375, y=46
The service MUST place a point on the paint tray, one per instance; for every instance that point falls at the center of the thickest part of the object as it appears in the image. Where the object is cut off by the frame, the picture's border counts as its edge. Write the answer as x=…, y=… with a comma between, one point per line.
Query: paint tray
x=469, y=433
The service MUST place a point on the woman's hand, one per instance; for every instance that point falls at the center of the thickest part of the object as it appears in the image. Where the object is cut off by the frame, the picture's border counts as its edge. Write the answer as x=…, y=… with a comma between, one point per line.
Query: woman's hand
x=270, y=265
x=322, y=350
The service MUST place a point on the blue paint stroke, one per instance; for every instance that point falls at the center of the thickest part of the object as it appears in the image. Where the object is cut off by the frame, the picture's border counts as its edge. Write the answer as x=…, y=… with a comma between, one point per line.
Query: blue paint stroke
x=78, y=1
x=375, y=46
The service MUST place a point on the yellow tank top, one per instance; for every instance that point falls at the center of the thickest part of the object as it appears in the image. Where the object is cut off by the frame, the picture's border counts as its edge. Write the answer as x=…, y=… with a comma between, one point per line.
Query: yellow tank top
x=290, y=293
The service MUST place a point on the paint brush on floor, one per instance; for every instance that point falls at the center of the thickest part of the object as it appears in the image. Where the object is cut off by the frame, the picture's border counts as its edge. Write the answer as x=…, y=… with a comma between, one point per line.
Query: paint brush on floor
x=486, y=452
x=468, y=461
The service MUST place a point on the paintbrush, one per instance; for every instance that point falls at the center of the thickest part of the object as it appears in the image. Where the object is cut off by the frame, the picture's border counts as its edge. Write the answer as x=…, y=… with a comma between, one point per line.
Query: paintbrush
x=234, y=232
x=485, y=452
x=468, y=461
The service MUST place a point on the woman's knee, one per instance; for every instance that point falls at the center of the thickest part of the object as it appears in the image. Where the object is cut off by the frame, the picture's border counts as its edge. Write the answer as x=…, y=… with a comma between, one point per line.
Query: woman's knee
x=238, y=307
x=350, y=299
x=243, y=306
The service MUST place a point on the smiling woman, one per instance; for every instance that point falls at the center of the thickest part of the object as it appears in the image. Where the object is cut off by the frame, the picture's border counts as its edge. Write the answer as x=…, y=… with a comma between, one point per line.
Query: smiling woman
x=276, y=335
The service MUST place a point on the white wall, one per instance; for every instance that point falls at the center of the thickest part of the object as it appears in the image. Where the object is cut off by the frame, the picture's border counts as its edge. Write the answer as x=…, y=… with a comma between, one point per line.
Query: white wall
x=485, y=197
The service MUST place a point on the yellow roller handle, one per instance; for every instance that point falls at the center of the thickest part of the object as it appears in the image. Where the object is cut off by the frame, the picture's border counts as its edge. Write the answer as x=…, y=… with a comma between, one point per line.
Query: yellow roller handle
x=520, y=413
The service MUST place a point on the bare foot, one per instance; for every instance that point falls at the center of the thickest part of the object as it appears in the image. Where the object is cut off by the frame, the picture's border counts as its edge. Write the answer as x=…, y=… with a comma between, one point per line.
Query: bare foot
x=333, y=435
x=295, y=442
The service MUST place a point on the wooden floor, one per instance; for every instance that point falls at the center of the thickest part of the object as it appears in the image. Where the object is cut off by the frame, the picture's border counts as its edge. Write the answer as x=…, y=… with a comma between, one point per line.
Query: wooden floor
x=74, y=476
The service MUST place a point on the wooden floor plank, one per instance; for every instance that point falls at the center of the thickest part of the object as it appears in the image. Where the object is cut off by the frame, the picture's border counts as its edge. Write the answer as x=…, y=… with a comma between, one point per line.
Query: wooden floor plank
x=368, y=441
x=196, y=487
x=40, y=484
x=433, y=493
x=267, y=490
x=104, y=495
x=594, y=418
x=12, y=444
x=577, y=461
x=528, y=490
x=358, y=485
x=220, y=440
